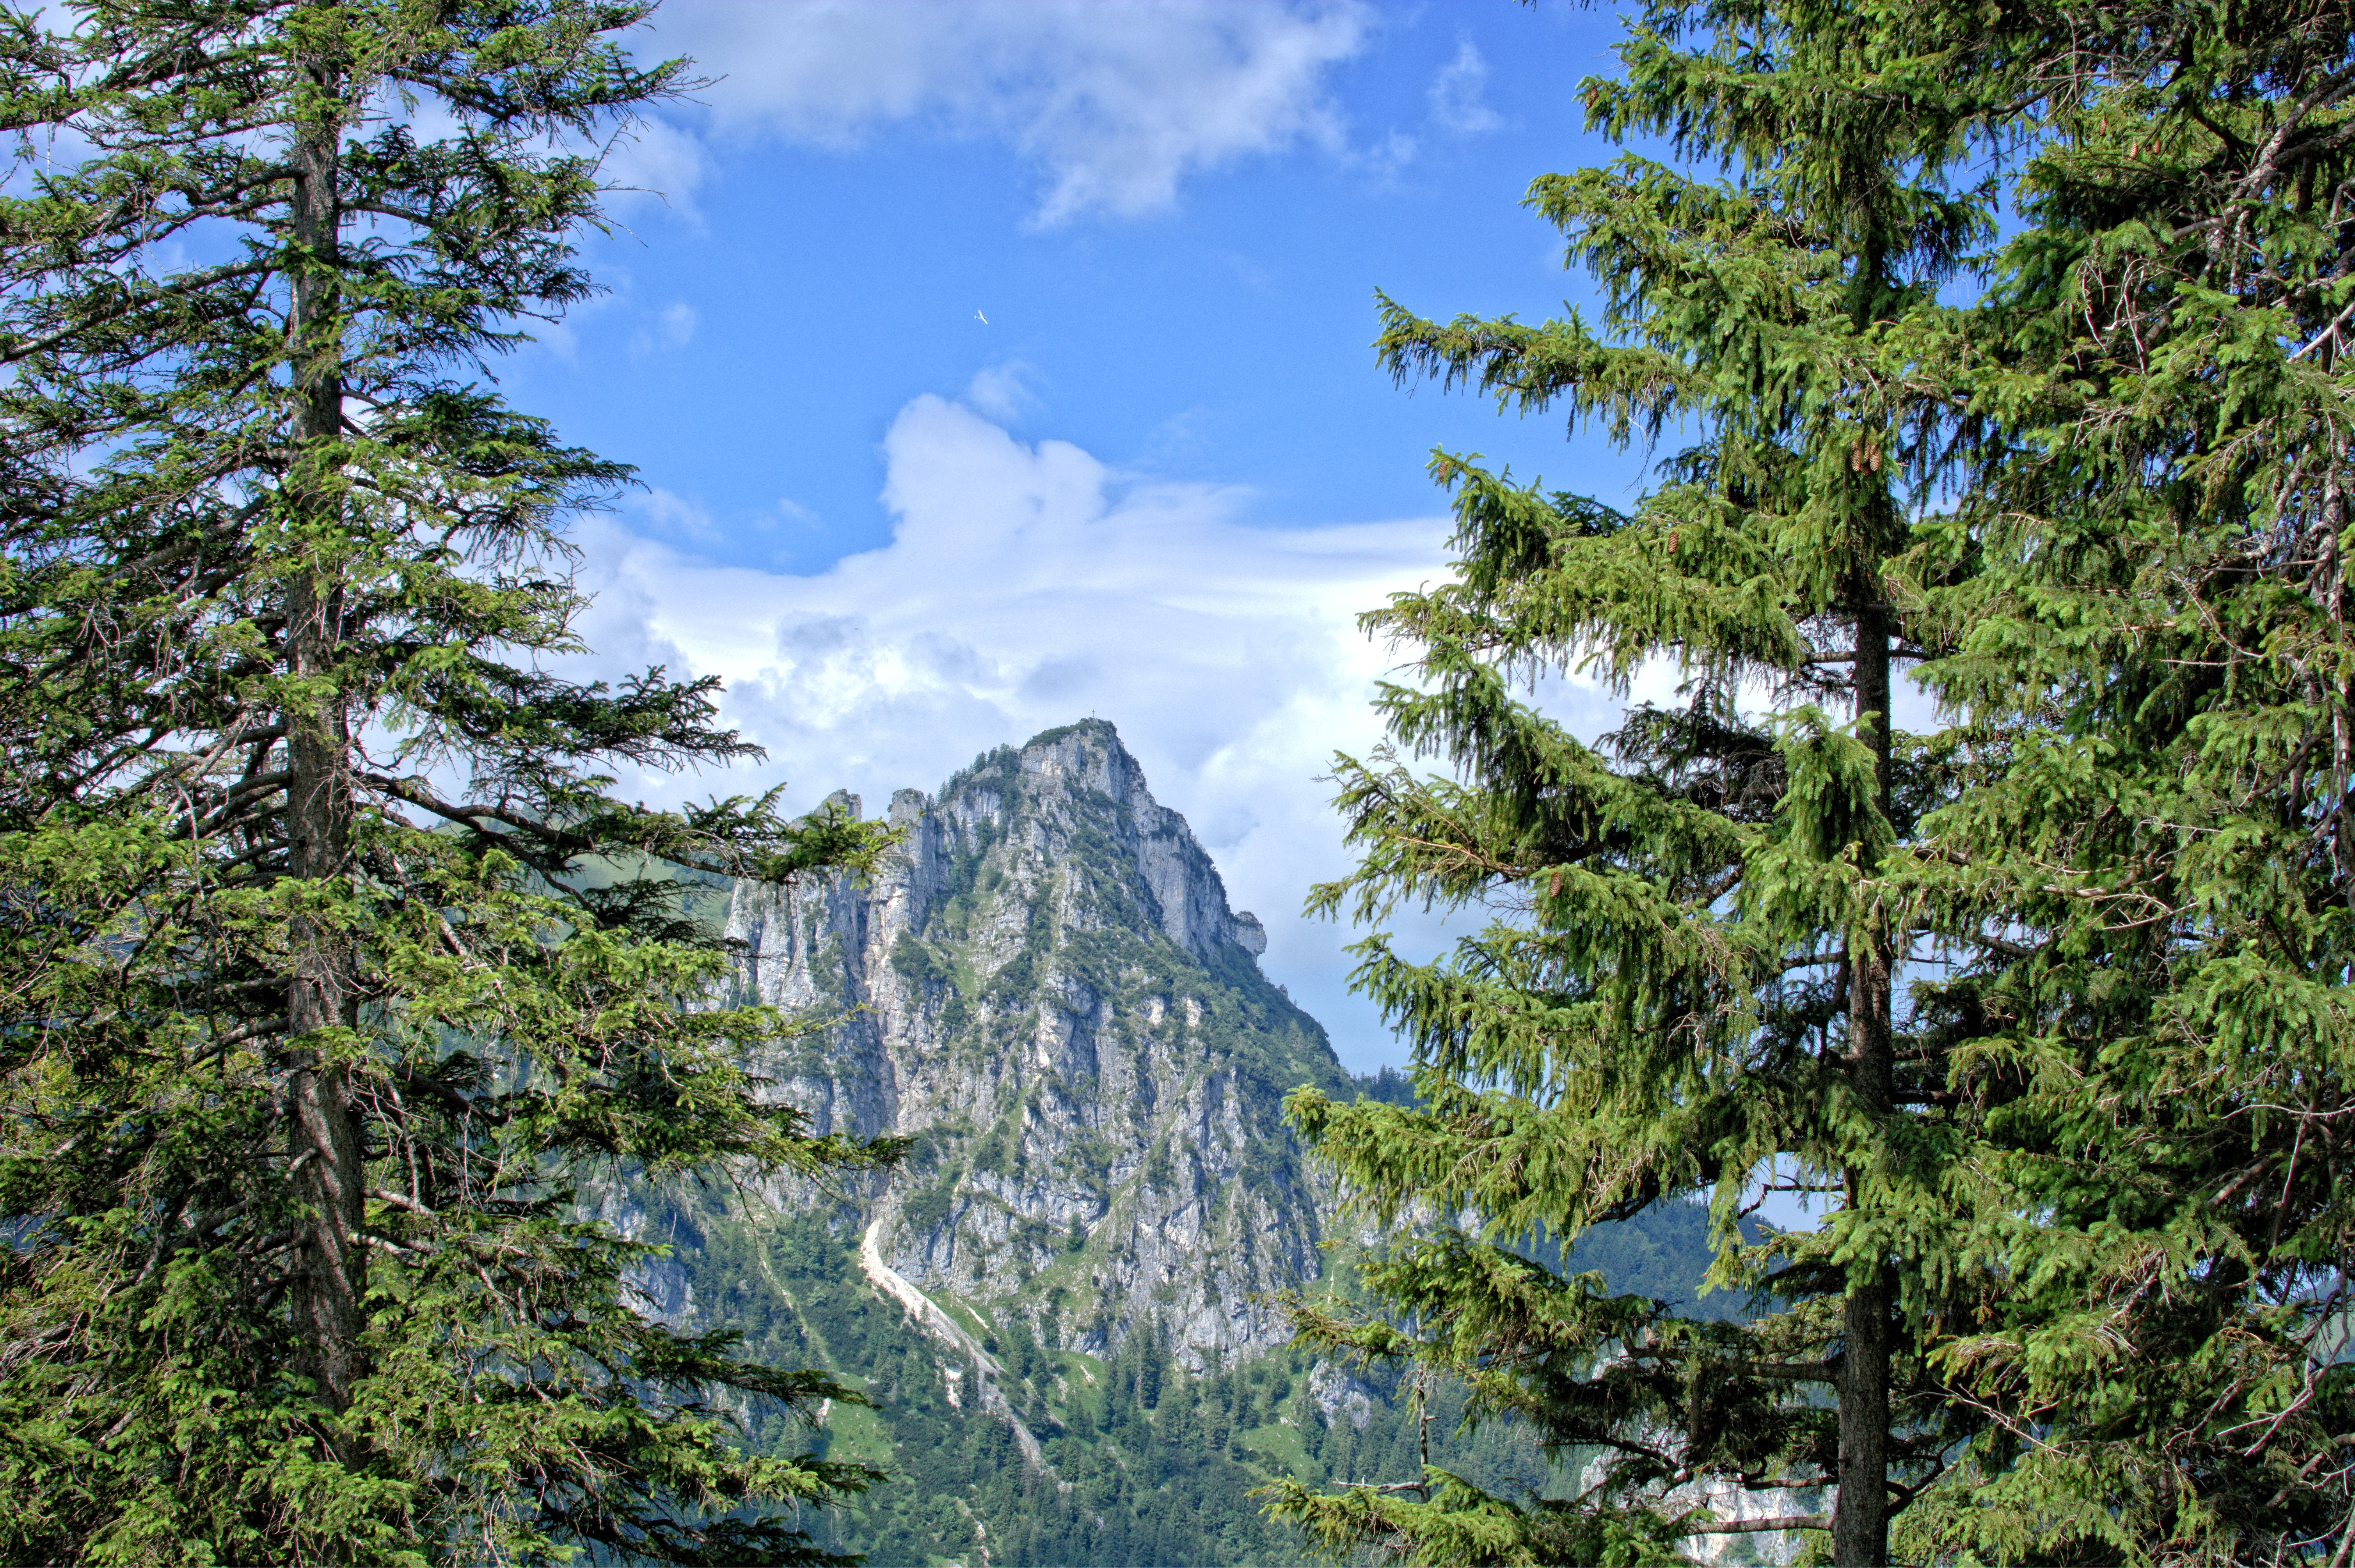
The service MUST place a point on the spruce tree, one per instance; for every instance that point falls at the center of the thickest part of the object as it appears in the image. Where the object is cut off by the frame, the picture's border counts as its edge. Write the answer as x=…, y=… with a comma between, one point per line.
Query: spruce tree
x=330, y=969
x=2142, y=586
x=2107, y=1188
x=1690, y=978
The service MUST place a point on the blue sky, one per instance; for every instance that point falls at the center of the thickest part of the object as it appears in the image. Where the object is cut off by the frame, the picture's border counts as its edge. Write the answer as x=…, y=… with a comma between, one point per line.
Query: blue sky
x=1160, y=480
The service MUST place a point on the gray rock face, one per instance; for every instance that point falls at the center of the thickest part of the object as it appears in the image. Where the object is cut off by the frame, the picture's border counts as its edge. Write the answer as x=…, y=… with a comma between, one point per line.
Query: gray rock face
x=1046, y=990
x=1340, y=1396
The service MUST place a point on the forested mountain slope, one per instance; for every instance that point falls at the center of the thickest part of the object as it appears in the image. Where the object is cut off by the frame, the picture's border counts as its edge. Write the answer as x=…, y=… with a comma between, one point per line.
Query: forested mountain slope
x=1061, y=1301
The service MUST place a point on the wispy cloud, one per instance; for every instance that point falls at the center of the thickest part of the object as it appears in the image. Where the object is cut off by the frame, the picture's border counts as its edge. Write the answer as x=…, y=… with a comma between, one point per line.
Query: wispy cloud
x=1003, y=391
x=1115, y=105
x=666, y=514
x=657, y=160
x=673, y=327
x=1459, y=94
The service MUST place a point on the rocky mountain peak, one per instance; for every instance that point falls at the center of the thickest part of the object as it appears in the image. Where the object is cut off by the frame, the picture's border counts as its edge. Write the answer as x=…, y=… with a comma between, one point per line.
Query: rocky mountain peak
x=1059, y=1303
x=1076, y=782
x=1047, y=989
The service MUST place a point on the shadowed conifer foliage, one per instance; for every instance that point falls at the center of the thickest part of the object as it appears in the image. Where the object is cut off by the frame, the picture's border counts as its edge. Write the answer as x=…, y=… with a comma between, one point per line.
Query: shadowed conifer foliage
x=2048, y=1003
x=328, y=966
x=2140, y=596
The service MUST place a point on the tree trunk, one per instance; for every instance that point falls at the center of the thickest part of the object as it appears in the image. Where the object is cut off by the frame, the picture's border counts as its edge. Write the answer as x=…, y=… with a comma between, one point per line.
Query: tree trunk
x=1860, y=1513
x=324, y=1131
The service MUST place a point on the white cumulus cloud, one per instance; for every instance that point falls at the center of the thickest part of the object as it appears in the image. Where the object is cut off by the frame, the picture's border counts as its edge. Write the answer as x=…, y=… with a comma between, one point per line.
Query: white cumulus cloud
x=1115, y=103
x=1026, y=587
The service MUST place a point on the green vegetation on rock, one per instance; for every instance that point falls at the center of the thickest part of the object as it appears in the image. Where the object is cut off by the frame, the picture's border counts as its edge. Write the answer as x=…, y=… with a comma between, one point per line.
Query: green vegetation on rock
x=1079, y=1227
x=1141, y=1461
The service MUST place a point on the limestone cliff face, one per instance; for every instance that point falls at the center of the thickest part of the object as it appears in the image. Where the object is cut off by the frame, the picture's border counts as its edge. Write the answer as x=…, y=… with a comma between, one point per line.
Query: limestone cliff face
x=1046, y=990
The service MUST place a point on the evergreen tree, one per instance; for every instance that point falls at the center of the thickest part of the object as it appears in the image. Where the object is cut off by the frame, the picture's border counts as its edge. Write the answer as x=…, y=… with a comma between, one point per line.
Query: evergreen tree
x=2143, y=590
x=1691, y=979
x=2103, y=1185
x=329, y=969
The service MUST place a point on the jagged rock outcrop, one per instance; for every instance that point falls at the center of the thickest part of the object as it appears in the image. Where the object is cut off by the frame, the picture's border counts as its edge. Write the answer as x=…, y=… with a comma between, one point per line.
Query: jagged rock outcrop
x=1341, y=1396
x=1046, y=990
